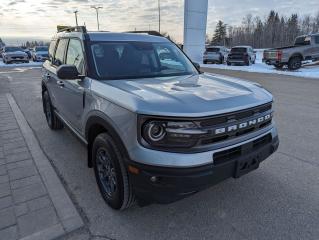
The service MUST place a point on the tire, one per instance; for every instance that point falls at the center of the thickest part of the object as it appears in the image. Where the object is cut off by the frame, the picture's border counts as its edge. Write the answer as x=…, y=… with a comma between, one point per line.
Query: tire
x=110, y=173
x=294, y=63
x=248, y=63
x=53, y=121
x=204, y=62
x=228, y=64
x=279, y=66
x=221, y=61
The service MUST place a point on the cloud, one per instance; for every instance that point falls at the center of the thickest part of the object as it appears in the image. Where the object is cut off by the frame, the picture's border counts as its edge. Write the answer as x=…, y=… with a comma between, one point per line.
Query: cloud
x=15, y=2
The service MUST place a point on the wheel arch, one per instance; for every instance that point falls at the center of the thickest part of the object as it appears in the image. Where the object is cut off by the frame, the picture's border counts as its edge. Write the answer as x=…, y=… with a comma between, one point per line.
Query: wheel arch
x=297, y=54
x=99, y=123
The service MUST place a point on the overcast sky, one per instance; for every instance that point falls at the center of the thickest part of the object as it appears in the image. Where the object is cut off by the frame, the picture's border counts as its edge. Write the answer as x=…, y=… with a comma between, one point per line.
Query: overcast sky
x=38, y=18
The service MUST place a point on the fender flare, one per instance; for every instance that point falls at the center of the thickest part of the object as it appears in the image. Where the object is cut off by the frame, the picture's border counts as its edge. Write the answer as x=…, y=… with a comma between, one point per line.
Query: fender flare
x=99, y=118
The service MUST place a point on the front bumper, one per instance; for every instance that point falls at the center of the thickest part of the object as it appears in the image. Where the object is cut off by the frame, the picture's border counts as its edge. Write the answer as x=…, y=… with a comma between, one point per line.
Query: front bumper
x=16, y=59
x=165, y=185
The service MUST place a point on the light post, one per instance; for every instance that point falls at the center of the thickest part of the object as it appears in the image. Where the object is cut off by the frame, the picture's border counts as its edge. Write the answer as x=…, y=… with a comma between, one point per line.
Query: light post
x=97, y=15
x=159, y=16
x=76, y=17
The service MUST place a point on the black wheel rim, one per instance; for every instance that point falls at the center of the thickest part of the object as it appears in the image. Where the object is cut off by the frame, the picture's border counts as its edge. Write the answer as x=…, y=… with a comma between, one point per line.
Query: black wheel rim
x=47, y=109
x=296, y=64
x=106, y=172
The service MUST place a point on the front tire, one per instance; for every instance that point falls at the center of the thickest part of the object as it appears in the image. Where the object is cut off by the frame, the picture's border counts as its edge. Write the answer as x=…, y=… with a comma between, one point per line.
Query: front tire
x=111, y=174
x=53, y=121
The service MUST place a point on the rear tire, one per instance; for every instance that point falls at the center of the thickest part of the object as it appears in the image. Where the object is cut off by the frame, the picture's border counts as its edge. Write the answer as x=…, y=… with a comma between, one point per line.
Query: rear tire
x=111, y=174
x=204, y=62
x=53, y=121
x=279, y=66
x=294, y=63
x=228, y=64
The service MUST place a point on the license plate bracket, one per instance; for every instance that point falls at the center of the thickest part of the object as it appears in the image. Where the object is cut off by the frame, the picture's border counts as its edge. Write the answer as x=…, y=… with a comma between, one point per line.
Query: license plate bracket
x=246, y=165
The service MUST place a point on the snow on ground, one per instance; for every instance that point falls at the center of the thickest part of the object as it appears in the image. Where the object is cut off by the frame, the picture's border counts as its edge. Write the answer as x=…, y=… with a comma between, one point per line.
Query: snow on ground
x=309, y=70
x=30, y=64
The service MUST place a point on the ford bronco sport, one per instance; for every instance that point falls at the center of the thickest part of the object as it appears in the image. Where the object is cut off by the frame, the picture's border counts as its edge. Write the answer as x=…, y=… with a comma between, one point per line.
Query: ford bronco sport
x=156, y=128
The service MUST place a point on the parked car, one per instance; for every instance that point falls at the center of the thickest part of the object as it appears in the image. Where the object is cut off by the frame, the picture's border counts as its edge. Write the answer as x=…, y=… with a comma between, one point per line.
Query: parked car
x=215, y=54
x=12, y=54
x=306, y=47
x=244, y=55
x=28, y=52
x=156, y=129
x=40, y=53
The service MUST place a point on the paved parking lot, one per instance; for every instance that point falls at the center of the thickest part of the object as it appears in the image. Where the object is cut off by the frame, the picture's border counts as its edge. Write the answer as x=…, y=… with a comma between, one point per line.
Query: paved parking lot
x=280, y=200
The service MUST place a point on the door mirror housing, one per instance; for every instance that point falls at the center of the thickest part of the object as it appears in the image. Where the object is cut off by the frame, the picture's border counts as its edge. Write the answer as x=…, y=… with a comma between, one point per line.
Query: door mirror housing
x=68, y=72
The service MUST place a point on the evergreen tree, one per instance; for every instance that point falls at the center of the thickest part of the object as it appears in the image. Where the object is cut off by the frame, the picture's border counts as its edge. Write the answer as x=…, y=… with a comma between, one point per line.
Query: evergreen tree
x=219, y=37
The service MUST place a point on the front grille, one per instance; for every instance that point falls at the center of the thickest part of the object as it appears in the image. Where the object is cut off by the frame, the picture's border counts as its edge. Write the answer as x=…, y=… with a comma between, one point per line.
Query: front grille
x=239, y=115
x=236, y=152
x=234, y=118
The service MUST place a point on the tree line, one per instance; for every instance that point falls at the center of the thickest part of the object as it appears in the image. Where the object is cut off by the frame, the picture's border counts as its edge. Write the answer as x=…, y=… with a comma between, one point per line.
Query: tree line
x=274, y=31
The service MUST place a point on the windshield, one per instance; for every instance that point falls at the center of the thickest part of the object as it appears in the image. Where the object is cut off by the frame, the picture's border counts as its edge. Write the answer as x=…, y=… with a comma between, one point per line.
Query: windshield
x=300, y=41
x=41, y=49
x=128, y=60
x=239, y=50
x=212, y=50
x=13, y=49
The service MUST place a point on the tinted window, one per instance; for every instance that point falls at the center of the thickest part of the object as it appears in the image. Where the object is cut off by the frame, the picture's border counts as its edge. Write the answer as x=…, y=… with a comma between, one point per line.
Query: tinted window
x=59, y=53
x=41, y=49
x=303, y=40
x=239, y=50
x=120, y=60
x=51, y=50
x=13, y=49
x=75, y=55
x=317, y=39
x=212, y=49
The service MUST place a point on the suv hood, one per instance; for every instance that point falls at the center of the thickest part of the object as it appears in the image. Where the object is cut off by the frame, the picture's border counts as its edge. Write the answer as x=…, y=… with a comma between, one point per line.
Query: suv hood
x=187, y=96
x=16, y=53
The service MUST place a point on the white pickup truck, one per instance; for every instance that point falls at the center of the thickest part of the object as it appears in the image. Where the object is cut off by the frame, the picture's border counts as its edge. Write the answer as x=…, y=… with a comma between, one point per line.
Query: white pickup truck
x=306, y=47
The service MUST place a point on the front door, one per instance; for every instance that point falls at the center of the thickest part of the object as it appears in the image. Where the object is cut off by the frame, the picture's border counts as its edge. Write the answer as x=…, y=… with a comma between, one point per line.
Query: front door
x=72, y=91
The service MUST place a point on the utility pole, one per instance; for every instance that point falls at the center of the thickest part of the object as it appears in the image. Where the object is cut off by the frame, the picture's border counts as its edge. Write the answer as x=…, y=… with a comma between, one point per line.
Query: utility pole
x=97, y=15
x=76, y=17
x=159, y=16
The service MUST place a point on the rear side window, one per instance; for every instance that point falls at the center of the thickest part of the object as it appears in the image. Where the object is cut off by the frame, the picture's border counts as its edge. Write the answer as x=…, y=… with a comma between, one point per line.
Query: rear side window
x=75, y=55
x=317, y=39
x=59, y=53
x=51, y=50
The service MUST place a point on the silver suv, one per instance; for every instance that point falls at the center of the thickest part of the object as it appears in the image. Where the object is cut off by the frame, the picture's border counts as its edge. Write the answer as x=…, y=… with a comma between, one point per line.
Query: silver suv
x=156, y=128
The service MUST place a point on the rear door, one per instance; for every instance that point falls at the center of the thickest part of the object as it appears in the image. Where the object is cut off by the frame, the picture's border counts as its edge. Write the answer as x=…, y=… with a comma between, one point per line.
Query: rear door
x=316, y=47
x=56, y=58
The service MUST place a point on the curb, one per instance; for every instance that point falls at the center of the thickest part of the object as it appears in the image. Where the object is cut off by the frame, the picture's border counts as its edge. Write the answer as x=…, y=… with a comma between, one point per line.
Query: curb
x=66, y=211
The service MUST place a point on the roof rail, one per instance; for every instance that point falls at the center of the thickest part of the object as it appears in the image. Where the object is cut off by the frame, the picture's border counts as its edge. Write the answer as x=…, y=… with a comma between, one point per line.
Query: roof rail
x=154, y=33
x=72, y=29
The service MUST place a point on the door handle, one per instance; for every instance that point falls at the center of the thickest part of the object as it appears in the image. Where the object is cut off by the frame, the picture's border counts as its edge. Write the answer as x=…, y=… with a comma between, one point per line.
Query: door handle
x=47, y=76
x=60, y=83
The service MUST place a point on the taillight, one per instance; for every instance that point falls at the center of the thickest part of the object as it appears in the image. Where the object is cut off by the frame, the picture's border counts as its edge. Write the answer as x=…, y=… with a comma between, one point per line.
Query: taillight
x=279, y=55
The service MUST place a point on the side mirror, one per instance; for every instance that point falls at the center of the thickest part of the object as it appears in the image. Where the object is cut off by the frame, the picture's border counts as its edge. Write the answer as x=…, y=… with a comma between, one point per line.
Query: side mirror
x=197, y=65
x=68, y=72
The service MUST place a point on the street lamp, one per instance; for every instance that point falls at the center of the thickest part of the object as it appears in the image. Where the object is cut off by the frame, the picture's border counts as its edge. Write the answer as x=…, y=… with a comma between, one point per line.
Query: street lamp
x=97, y=15
x=159, y=16
x=76, y=17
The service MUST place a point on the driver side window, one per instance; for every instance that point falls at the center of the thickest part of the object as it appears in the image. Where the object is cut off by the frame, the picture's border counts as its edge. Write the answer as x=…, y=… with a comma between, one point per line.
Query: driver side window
x=75, y=55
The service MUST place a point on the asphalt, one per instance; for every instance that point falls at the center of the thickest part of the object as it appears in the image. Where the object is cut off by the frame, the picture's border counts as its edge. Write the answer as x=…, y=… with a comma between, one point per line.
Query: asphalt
x=280, y=200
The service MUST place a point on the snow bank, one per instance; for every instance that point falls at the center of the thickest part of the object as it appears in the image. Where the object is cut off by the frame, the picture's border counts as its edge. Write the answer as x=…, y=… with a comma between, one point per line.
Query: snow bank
x=30, y=64
x=308, y=70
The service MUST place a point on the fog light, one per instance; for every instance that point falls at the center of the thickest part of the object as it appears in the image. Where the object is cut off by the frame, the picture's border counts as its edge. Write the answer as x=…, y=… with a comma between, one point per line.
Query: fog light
x=153, y=179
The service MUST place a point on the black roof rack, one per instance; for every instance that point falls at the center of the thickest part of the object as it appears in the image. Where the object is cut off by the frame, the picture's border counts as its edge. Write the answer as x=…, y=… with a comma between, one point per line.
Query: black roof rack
x=72, y=29
x=154, y=33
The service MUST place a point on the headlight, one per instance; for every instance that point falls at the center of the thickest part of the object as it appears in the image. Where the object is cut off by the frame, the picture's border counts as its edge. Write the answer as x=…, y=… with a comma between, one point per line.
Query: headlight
x=162, y=134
